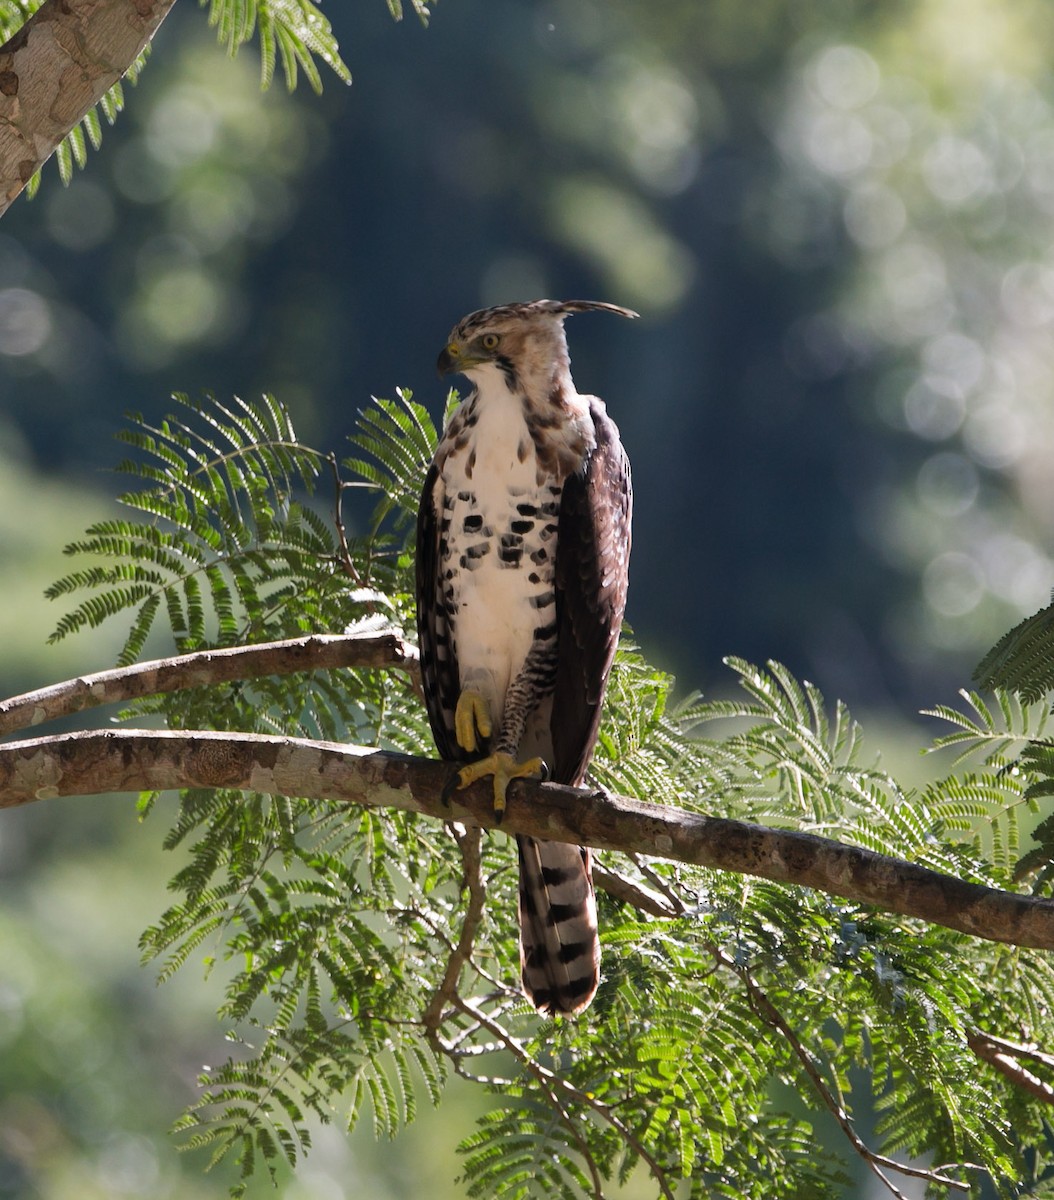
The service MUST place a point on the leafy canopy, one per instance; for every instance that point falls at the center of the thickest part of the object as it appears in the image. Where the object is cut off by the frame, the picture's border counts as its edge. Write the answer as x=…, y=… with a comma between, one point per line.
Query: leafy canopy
x=371, y=955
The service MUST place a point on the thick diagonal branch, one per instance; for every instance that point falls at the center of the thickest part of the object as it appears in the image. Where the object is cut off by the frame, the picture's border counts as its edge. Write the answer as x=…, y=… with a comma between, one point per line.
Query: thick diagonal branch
x=134, y=761
x=59, y=65
x=315, y=653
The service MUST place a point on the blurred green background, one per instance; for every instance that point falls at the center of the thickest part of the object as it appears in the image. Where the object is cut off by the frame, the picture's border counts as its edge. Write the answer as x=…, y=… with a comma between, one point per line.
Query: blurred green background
x=837, y=221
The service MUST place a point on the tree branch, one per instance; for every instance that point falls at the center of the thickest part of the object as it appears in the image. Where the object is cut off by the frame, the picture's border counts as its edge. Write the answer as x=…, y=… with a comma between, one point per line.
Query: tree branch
x=133, y=760
x=1005, y=1058
x=469, y=842
x=551, y=1081
x=877, y=1163
x=316, y=653
x=56, y=67
x=641, y=898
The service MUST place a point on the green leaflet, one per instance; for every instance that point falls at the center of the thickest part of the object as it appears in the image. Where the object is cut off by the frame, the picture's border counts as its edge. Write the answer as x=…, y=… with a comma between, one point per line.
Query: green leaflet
x=1022, y=661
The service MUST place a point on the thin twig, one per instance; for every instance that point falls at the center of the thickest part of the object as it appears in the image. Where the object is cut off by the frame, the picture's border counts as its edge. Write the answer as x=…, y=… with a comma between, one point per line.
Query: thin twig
x=663, y=885
x=470, y=843
x=346, y=561
x=549, y=1079
x=769, y=1013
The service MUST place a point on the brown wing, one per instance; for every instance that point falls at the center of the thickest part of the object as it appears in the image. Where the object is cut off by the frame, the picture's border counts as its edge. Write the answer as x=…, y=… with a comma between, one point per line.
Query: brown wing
x=592, y=574
x=439, y=669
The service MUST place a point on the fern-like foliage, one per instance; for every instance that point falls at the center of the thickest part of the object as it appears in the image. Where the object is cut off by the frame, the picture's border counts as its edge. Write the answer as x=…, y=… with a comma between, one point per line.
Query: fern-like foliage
x=221, y=546
x=1022, y=661
x=719, y=1034
x=1011, y=741
x=293, y=32
x=422, y=9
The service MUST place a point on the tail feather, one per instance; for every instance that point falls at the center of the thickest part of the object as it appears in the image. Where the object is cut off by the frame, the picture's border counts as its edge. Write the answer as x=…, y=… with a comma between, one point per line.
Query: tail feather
x=559, y=946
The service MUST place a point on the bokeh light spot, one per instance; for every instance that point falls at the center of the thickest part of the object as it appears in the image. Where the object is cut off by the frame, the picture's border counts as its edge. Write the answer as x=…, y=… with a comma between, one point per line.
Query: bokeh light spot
x=646, y=267
x=995, y=435
x=1028, y=294
x=953, y=584
x=956, y=359
x=182, y=127
x=845, y=76
x=957, y=171
x=181, y=304
x=25, y=322
x=948, y=484
x=839, y=143
x=934, y=409
x=874, y=215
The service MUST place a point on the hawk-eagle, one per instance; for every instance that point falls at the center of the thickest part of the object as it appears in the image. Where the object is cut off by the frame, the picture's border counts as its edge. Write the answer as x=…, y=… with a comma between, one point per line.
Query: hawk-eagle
x=523, y=541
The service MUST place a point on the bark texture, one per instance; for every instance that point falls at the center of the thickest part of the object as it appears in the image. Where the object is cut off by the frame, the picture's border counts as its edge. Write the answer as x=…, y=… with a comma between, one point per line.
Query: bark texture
x=316, y=653
x=55, y=68
x=135, y=760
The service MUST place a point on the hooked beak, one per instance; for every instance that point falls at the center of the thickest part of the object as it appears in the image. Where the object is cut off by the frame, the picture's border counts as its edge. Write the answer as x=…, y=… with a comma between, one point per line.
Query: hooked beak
x=454, y=358
x=449, y=359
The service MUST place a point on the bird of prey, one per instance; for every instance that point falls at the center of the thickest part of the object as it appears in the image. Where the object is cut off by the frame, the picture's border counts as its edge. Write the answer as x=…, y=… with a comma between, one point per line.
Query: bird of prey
x=523, y=540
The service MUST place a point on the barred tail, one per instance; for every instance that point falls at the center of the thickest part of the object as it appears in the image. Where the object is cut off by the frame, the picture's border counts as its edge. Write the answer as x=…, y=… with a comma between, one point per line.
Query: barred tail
x=559, y=947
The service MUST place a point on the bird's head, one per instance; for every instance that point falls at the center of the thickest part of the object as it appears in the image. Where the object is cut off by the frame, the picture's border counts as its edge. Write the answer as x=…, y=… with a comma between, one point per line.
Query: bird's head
x=517, y=339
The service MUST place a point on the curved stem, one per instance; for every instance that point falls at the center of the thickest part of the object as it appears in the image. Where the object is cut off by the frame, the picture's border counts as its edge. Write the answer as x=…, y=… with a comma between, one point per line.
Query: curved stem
x=771, y=1015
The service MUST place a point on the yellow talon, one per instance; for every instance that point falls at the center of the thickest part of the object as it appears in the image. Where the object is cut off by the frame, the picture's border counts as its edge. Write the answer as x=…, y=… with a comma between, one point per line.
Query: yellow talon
x=505, y=769
x=472, y=722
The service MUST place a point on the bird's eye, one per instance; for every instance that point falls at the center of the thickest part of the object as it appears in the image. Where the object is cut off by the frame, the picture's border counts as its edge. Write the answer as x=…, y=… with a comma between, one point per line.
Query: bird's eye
x=490, y=341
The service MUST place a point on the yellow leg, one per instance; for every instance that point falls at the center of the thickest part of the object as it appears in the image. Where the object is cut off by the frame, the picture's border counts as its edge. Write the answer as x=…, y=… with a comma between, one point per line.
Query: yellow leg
x=472, y=723
x=505, y=769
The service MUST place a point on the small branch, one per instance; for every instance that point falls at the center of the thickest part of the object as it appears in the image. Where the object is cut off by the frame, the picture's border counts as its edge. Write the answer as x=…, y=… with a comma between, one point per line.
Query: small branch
x=1005, y=1058
x=635, y=894
x=550, y=1082
x=771, y=1015
x=663, y=885
x=1015, y=1048
x=470, y=843
x=347, y=565
x=316, y=653
x=58, y=66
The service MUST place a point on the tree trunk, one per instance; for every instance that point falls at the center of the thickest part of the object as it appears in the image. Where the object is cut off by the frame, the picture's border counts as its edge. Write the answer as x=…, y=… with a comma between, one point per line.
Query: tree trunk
x=55, y=68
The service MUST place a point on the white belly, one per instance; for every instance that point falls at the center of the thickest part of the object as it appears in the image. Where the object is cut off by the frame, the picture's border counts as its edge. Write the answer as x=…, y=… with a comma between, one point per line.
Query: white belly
x=502, y=548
